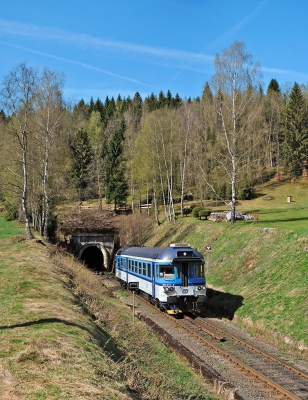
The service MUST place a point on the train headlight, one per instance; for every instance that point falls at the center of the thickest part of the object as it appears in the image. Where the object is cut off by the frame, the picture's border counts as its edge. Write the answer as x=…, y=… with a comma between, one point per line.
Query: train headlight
x=199, y=288
x=166, y=289
x=203, y=287
x=171, y=289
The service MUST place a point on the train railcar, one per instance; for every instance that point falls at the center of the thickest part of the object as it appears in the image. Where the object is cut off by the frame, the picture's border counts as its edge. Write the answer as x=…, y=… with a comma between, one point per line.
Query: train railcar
x=172, y=277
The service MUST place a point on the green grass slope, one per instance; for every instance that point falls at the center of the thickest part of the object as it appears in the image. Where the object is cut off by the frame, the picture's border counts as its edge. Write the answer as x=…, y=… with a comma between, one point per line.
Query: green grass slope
x=263, y=271
x=65, y=336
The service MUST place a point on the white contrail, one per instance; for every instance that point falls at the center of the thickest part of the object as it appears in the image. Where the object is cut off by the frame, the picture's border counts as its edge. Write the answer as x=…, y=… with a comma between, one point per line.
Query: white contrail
x=76, y=63
x=227, y=34
x=14, y=28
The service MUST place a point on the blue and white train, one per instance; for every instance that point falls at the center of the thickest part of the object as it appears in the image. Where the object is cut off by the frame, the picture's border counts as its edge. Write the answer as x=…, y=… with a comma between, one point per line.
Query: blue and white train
x=172, y=277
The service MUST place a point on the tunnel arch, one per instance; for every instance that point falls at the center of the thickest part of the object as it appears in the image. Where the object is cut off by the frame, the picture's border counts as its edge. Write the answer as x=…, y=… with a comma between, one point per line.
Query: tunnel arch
x=95, y=257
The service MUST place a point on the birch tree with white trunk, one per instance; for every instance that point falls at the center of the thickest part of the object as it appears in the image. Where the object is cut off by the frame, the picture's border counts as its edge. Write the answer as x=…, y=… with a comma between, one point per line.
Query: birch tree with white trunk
x=17, y=95
x=235, y=85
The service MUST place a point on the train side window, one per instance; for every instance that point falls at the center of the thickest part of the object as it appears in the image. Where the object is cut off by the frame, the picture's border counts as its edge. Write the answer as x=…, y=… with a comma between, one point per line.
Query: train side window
x=149, y=270
x=129, y=265
x=200, y=271
x=136, y=266
x=144, y=269
x=191, y=270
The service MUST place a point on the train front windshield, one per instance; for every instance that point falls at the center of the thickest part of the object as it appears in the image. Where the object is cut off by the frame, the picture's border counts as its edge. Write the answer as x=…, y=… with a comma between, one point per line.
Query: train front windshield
x=182, y=273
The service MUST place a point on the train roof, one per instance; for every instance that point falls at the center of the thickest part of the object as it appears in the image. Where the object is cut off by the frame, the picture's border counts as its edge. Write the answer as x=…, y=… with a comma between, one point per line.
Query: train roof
x=173, y=253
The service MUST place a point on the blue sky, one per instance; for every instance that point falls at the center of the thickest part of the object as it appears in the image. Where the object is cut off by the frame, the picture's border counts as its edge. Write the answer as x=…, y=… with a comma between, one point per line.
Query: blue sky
x=127, y=46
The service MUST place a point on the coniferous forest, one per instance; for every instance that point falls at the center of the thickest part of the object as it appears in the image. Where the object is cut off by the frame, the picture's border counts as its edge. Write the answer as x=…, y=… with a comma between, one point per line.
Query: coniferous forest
x=162, y=149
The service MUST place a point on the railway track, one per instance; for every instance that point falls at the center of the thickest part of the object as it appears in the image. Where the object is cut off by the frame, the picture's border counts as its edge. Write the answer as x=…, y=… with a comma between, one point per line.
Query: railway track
x=272, y=375
x=287, y=380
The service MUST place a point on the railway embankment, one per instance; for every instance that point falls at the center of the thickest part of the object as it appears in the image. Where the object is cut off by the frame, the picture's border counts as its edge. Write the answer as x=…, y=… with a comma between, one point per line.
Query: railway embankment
x=257, y=280
x=257, y=269
x=63, y=335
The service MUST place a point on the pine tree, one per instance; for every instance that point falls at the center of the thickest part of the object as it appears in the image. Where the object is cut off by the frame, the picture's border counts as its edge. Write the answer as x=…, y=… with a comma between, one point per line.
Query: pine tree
x=177, y=101
x=207, y=94
x=274, y=86
x=169, y=99
x=116, y=188
x=81, y=155
x=295, y=149
x=151, y=102
x=161, y=99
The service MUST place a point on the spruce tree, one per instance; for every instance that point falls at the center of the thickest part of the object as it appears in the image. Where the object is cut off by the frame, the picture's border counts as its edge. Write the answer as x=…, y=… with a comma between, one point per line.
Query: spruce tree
x=81, y=155
x=116, y=188
x=274, y=86
x=295, y=149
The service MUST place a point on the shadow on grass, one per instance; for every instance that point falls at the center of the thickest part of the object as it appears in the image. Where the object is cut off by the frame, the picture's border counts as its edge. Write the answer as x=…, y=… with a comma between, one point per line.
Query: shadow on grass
x=284, y=220
x=221, y=305
x=105, y=341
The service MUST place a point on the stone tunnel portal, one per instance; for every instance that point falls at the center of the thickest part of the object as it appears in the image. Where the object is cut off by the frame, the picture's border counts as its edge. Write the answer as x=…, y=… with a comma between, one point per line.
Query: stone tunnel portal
x=95, y=250
x=93, y=258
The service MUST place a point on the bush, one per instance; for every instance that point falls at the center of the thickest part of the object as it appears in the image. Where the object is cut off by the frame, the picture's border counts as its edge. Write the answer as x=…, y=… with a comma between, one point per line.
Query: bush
x=196, y=210
x=199, y=212
x=204, y=213
x=187, y=211
x=11, y=211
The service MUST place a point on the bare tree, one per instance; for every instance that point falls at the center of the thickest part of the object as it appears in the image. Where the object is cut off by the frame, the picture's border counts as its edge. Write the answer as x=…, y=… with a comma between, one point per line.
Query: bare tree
x=235, y=85
x=184, y=138
x=17, y=94
x=49, y=116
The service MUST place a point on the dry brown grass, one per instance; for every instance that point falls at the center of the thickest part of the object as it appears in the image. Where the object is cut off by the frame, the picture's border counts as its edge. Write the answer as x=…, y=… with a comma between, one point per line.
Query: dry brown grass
x=133, y=228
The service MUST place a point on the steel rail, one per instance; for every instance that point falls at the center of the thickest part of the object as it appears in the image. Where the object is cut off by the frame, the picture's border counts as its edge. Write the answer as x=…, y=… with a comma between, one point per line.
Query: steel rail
x=238, y=362
x=235, y=360
x=255, y=349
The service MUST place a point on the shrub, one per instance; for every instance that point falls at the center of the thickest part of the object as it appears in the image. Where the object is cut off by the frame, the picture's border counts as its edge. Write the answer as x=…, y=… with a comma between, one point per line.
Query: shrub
x=196, y=210
x=187, y=211
x=199, y=212
x=204, y=213
x=11, y=211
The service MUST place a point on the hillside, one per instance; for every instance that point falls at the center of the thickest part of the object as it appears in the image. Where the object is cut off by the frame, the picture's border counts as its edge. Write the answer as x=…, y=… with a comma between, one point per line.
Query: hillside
x=65, y=336
x=51, y=348
x=262, y=273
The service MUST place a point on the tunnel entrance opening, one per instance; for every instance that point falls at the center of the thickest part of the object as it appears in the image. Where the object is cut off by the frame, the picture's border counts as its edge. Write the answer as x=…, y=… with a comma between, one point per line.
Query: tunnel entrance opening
x=93, y=258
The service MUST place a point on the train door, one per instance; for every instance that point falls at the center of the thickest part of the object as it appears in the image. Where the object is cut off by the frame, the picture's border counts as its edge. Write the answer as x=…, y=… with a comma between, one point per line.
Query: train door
x=153, y=280
x=185, y=272
x=126, y=269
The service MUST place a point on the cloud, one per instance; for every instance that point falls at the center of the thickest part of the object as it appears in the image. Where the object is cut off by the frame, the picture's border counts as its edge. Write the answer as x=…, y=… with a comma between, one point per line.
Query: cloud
x=286, y=72
x=76, y=63
x=158, y=55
